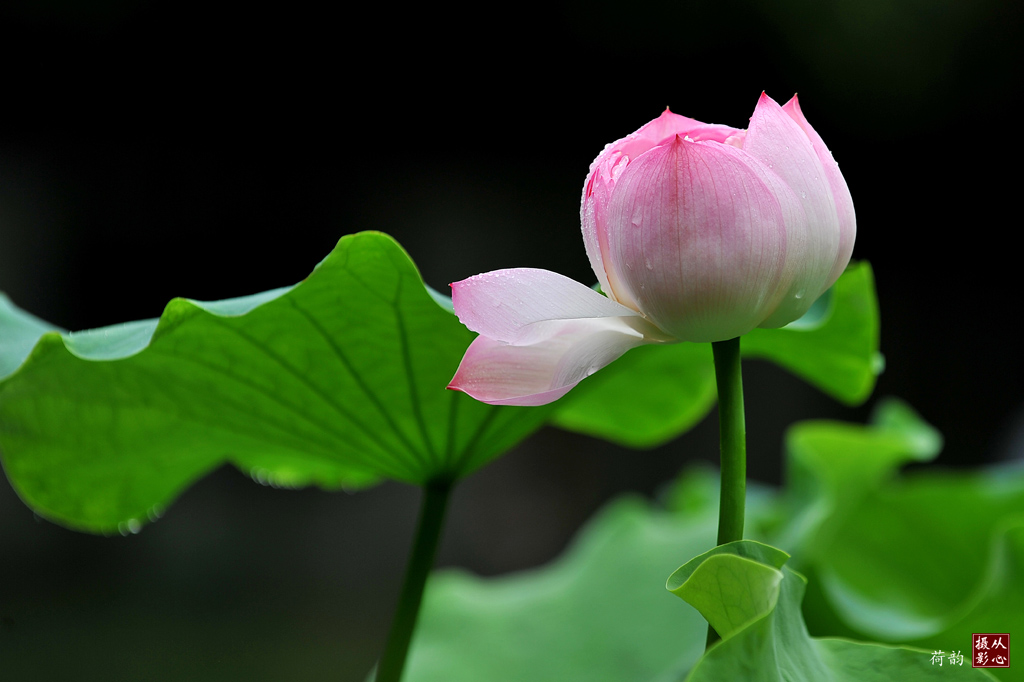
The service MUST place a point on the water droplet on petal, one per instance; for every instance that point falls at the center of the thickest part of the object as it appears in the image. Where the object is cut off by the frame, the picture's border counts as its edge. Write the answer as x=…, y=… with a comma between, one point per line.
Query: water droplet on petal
x=647, y=263
x=800, y=294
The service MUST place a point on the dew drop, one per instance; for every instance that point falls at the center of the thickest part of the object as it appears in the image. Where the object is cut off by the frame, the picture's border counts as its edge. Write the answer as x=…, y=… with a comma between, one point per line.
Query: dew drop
x=134, y=526
x=803, y=195
x=800, y=294
x=647, y=264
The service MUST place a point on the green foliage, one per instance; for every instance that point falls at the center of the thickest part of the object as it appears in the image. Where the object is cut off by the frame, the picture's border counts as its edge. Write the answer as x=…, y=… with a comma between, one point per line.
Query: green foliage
x=747, y=572
x=832, y=466
x=19, y=332
x=645, y=398
x=598, y=614
x=336, y=381
x=745, y=589
x=654, y=393
x=923, y=559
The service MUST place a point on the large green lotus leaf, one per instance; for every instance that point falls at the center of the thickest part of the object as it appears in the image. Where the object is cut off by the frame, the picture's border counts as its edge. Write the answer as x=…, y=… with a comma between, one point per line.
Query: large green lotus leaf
x=655, y=393
x=336, y=381
x=598, y=614
x=744, y=589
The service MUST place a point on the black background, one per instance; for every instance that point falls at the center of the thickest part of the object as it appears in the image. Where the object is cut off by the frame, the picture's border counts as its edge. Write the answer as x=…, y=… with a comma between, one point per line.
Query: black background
x=154, y=149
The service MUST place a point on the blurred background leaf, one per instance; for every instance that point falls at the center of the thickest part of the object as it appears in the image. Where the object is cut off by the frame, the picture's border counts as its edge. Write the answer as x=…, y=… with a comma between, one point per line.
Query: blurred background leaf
x=924, y=558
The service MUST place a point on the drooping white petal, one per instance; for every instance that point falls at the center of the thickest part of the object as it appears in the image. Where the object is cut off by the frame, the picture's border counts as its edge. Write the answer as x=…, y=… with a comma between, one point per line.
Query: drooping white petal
x=504, y=304
x=540, y=334
x=541, y=372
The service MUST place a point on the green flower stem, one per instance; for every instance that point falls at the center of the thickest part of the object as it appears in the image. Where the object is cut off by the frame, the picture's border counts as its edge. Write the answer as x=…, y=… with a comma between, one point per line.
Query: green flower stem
x=732, y=434
x=428, y=532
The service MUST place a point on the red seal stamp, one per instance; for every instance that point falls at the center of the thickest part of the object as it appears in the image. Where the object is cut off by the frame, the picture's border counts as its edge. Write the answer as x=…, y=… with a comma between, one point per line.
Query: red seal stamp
x=990, y=650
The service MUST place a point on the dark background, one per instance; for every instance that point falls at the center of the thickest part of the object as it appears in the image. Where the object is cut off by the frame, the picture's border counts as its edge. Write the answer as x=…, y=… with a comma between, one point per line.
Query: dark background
x=155, y=149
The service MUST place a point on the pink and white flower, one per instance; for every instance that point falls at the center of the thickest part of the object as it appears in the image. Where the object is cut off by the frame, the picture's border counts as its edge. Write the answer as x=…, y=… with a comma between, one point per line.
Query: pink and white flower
x=696, y=232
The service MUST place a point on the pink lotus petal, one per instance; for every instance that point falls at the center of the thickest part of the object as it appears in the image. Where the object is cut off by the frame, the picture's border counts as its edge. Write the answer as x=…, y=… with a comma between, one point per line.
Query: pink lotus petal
x=608, y=167
x=778, y=142
x=700, y=238
x=593, y=208
x=508, y=305
x=840, y=191
x=498, y=373
x=662, y=129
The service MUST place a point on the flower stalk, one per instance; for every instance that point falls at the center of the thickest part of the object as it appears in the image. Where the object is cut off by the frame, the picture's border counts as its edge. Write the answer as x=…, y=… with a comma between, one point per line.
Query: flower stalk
x=428, y=534
x=732, y=434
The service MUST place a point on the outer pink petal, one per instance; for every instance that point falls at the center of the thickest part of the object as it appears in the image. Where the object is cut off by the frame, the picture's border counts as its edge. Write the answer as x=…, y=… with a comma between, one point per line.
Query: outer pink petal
x=593, y=219
x=499, y=373
x=840, y=192
x=700, y=237
x=509, y=305
x=667, y=126
x=778, y=142
x=605, y=171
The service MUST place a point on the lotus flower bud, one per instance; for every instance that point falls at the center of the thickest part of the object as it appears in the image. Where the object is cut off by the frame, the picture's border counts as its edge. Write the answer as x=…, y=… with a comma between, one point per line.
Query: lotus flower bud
x=696, y=232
